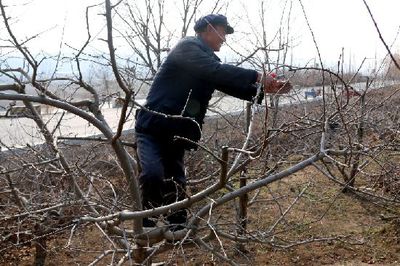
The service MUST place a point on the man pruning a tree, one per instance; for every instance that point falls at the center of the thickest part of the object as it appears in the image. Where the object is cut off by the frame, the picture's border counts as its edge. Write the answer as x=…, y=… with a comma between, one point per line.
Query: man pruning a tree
x=179, y=95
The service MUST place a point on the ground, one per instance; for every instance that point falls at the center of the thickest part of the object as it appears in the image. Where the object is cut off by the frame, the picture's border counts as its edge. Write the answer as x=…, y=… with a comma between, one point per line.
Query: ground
x=366, y=234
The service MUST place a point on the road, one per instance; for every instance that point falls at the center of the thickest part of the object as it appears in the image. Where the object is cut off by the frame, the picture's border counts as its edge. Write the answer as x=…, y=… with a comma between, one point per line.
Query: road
x=18, y=132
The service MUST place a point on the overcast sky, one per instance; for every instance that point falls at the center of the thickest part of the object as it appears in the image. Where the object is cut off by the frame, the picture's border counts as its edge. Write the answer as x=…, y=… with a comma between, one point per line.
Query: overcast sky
x=336, y=24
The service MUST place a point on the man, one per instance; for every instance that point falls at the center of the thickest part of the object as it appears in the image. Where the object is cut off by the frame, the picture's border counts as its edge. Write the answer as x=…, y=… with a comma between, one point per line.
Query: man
x=183, y=86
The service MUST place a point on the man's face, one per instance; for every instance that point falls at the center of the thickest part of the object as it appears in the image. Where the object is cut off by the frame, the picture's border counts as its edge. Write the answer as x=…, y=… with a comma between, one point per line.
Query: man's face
x=215, y=36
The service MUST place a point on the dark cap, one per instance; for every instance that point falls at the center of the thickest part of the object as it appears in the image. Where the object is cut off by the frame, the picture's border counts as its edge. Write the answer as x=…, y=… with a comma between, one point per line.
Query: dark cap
x=213, y=19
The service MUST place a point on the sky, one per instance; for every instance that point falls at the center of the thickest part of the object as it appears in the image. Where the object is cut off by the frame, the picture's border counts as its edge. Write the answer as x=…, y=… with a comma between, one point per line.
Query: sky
x=336, y=24
x=347, y=24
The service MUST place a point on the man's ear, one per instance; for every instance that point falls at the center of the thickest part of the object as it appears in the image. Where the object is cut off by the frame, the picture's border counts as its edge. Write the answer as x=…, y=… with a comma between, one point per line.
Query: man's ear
x=209, y=28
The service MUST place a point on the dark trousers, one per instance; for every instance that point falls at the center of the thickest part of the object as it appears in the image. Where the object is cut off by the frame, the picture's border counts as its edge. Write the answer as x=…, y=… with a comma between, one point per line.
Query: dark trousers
x=162, y=179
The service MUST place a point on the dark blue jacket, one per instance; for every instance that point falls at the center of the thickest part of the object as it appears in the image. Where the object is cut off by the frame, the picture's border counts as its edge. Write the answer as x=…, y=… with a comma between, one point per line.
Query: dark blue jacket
x=187, y=79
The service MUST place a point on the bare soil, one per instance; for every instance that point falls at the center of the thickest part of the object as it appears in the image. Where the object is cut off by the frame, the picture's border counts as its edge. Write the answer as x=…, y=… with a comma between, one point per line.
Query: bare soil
x=363, y=232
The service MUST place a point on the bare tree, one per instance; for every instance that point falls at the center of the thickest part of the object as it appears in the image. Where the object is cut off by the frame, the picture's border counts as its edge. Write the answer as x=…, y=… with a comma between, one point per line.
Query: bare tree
x=150, y=34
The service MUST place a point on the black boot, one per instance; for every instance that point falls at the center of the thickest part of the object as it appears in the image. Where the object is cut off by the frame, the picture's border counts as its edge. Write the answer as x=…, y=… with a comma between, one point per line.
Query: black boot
x=151, y=198
x=177, y=220
x=149, y=222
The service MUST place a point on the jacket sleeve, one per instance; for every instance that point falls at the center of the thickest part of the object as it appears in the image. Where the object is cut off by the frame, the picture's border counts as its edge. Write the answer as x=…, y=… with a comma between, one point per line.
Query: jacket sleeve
x=236, y=81
x=245, y=93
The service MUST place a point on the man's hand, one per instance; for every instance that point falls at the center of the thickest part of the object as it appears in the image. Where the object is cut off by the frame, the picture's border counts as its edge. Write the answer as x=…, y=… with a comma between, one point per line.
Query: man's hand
x=272, y=85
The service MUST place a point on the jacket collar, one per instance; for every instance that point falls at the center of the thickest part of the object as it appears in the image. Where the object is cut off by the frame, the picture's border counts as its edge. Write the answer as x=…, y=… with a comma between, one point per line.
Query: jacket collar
x=207, y=48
